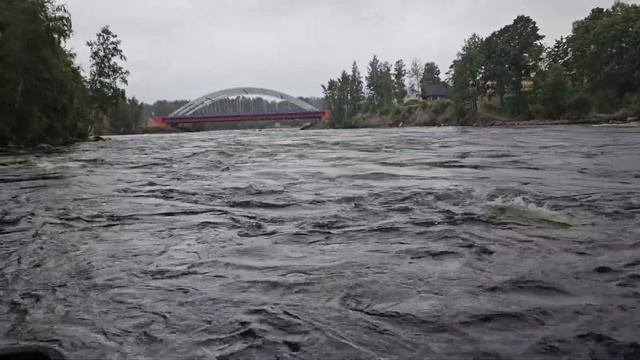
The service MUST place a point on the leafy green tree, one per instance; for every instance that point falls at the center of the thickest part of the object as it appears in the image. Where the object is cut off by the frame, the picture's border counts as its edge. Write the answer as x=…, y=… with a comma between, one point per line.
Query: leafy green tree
x=399, y=86
x=513, y=54
x=107, y=74
x=415, y=76
x=559, y=54
x=604, y=48
x=525, y=51
x=344, y=96
x=430, y=74
x=42, y=92
x=552, y=91
x=465, y=76
x=495, y=67
x=126, y=117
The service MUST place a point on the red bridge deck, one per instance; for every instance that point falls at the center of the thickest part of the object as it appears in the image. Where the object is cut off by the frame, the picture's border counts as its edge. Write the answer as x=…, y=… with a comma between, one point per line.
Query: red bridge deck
x=172, y=120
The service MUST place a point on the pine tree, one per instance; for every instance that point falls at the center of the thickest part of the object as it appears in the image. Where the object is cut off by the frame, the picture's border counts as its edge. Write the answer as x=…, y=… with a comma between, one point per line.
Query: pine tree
x=372, y=80
x=356, y=91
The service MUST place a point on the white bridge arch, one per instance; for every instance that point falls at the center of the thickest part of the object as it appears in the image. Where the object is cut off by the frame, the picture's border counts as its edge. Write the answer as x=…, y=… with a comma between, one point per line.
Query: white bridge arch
x=203, y=101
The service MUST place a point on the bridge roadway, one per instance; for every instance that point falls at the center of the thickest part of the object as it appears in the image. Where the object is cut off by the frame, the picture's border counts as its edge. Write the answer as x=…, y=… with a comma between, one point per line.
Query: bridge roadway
x=232, y=117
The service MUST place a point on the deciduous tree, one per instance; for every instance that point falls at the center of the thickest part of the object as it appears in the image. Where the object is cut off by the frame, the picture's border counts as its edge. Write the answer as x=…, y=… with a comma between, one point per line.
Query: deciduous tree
x=399, y=86
x=42, y=92
x=415, y=76
x=107, y=75
x=465, y=74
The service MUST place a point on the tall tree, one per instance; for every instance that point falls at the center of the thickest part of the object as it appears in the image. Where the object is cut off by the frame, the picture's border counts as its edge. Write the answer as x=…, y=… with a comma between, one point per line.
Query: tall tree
x=107, y=75
x=337, y=97
x=379, y=83
x=344, y=95
x=42, y=91
x=605, y=49
x=526, y=50
x=385, y=85
x=513, y=54
x=465, y=74
x=372, y=80
x=399, y=86
x=330, y=98
x=495, y=67
x=559, y=53
x=415, y=76
x=551, y=91
x=356, y=93
x=430, y=76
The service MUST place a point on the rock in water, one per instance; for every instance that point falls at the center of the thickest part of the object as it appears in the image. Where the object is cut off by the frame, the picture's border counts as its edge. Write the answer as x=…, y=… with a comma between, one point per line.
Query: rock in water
x=30, y=352
x=45, y=148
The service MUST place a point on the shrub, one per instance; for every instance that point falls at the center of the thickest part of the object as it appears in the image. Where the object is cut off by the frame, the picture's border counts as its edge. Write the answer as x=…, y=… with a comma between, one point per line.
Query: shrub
x=385, y=110
x=491, y=106
x=516, y=107
x=579, y=106
x=605, y=101
x=440, y=106
x=551, y=92
x=412, y=102
x=632, y=103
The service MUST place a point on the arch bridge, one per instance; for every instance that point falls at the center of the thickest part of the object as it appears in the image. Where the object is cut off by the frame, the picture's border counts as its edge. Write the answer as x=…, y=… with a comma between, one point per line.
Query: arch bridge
x=241, y=104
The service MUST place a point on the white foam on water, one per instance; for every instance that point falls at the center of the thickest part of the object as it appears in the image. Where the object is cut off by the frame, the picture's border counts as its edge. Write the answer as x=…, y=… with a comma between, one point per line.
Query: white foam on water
x=45, y=165
x=519, y=207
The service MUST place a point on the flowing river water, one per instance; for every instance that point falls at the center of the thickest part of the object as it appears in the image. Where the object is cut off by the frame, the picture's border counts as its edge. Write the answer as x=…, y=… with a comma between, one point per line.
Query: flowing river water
x=416, y=243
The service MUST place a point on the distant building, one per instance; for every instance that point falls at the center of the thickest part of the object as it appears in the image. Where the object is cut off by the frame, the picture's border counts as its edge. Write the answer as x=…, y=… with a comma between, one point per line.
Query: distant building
x=433, y=92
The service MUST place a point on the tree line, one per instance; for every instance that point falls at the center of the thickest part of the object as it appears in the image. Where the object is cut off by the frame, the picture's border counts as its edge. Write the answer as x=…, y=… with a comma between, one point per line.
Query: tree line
x=384, y=86
x=44, y=95
x=512, y=73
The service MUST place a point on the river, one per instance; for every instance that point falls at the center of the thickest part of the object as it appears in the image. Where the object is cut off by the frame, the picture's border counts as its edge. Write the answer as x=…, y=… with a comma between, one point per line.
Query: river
x=415, y=243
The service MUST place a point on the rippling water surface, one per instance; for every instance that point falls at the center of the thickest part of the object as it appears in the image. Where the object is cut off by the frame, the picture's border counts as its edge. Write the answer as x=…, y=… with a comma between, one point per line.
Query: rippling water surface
x=450, y=243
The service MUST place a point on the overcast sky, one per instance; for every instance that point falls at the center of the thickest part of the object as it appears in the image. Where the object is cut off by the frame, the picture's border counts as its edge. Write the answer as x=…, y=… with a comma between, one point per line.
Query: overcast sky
x=182, y=49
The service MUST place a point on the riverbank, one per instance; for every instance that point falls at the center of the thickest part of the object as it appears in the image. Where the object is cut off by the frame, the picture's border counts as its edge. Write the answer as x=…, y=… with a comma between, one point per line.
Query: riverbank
x=442, y=114
x=377, y=122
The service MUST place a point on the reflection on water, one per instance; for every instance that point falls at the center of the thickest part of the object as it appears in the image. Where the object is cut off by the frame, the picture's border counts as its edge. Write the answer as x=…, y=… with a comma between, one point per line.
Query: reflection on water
x=406, y=244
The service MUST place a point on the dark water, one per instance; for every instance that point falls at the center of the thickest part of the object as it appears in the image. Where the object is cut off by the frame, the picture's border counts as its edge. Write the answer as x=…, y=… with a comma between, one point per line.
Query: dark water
x=368, y=244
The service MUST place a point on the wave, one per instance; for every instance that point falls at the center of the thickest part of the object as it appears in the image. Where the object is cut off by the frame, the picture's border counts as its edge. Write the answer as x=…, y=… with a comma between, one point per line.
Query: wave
x=520, y=208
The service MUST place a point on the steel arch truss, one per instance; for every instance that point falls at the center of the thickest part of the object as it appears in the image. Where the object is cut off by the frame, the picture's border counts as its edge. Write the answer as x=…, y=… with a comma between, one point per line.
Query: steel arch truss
x=195, y=105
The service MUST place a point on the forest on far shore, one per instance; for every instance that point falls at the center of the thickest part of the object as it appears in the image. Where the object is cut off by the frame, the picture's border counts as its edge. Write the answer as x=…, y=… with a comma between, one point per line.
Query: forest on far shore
x=509, y=74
